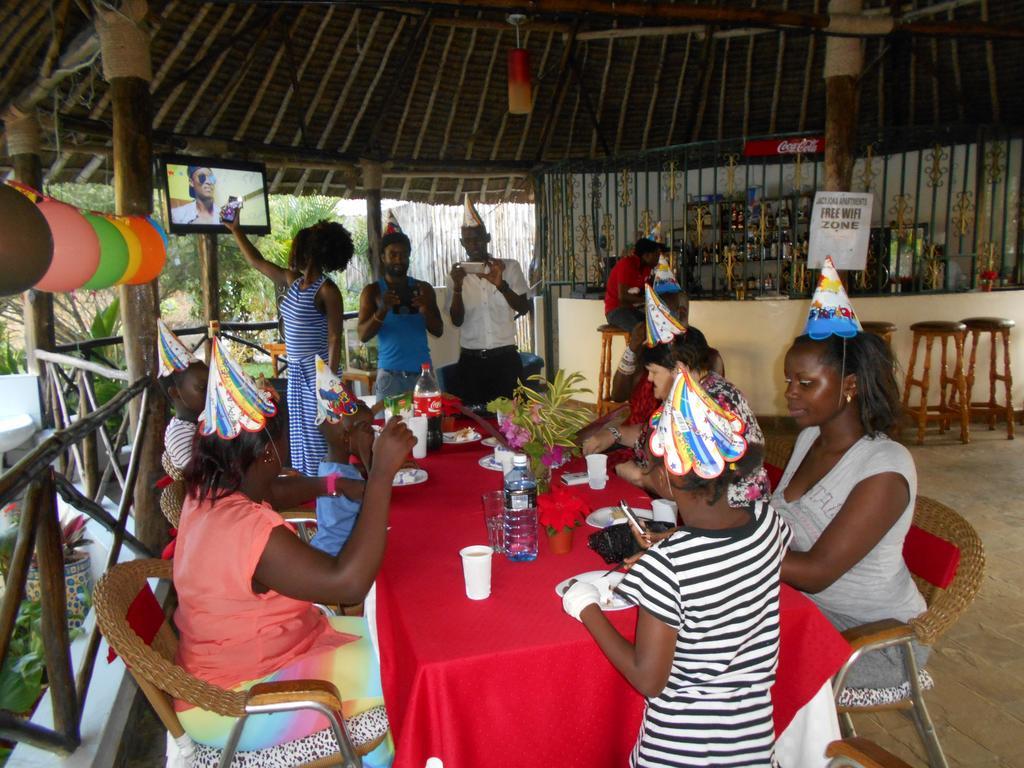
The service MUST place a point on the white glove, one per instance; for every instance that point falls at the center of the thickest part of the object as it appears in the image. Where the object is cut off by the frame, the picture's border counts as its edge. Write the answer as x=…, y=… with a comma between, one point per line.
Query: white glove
x=579, y=596
x=605, y=585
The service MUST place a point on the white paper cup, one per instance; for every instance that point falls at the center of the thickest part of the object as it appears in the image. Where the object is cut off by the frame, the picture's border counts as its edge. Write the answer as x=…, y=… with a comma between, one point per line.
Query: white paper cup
x=664, y=511
x=504, y=457
x=418, y=427
x=597, y=470
x=476, y=569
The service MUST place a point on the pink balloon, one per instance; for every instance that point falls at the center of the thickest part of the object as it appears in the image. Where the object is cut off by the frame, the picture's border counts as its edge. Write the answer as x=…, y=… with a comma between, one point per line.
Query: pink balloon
x=76, y=248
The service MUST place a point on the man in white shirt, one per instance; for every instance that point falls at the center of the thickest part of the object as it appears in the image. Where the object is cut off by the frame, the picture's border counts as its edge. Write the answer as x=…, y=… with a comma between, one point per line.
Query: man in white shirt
x=484, y=304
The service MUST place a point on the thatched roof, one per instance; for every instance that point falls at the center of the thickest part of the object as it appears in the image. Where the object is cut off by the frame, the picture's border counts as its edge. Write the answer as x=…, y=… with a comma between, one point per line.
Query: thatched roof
x=311, y=88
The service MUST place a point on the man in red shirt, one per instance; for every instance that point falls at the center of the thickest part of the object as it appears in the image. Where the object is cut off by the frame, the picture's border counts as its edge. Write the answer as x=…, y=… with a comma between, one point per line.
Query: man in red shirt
x=624, y=294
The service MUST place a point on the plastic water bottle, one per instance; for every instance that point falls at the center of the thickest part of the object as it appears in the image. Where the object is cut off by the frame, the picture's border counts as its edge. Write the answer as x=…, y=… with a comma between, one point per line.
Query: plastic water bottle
x=427, y=402
x=520, y=512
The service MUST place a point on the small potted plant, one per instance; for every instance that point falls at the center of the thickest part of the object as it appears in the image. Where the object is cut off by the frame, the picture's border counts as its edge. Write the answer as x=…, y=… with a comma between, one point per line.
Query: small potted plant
x=77, y=571
x=988, y=278
x=543, y=425
x=560, y=512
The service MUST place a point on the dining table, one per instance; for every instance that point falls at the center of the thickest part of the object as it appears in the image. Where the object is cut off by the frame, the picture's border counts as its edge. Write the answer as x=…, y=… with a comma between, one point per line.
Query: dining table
x=512, y=680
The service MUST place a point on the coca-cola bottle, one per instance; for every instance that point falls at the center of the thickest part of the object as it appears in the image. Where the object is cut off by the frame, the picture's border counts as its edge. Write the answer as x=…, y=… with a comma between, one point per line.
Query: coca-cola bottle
x=427, y=402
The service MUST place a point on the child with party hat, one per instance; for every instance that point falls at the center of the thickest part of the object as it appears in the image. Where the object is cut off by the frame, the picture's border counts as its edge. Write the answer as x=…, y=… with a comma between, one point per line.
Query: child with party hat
x=707, y=639
x=346, y=424
x=246, y=585
x=182, y=377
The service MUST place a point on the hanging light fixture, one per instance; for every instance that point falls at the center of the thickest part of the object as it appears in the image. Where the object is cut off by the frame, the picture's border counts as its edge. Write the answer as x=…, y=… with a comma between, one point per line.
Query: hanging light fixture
x=520, y=88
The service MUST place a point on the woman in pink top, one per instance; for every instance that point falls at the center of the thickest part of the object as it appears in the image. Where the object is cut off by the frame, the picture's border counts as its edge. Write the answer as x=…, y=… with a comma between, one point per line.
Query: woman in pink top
x=246, y=586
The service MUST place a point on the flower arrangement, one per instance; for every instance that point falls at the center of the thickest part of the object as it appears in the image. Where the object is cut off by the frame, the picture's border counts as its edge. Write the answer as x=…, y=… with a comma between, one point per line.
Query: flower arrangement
x=988, y=278
x=543, y=425
x=560, y=510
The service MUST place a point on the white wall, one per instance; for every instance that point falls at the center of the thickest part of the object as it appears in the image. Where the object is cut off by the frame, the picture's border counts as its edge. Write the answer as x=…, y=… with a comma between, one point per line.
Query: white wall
x=753, y=337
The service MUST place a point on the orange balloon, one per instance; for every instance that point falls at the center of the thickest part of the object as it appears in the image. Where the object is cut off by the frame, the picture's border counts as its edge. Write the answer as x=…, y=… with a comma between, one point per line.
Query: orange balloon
x=154, y=252
x=134, y=248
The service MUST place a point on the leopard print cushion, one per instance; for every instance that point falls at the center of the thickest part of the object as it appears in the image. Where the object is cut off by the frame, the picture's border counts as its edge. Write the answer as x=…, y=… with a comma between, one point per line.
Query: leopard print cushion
x=363, y=728
x=876, y=697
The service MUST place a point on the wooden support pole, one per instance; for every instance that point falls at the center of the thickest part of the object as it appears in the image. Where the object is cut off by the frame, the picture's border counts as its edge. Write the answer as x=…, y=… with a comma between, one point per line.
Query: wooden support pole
x=843, y=62
x=209, y=276
x=126, y=67
x=371, y=188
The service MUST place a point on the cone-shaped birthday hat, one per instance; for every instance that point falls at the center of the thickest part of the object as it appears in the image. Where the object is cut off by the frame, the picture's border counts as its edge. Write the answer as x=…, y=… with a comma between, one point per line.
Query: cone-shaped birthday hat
x=831, y=312
x=233, y=401
x=391, y=226
x=662, y=325
x=172, y=353
x=693, y=433
x=470, y=218
x=333, y=400
x=664, y=279
x=655, y=234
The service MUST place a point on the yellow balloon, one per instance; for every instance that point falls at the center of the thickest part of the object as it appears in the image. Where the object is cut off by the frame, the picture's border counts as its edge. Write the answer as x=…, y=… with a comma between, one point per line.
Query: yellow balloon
x=134, y=248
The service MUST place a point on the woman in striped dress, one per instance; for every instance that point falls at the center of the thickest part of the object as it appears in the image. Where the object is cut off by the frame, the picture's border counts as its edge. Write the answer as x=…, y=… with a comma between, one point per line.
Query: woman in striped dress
x=312, y=310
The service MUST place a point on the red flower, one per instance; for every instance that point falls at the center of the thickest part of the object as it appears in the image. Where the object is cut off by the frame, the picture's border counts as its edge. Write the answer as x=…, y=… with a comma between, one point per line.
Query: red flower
x=560, y=509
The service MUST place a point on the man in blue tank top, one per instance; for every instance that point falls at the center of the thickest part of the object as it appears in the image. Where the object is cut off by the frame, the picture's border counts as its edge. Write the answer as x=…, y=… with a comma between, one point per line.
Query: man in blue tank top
x=400, y=310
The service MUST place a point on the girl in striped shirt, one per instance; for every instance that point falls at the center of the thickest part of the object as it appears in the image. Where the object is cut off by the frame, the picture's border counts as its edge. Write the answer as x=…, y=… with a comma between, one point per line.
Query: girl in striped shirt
x=707, y=635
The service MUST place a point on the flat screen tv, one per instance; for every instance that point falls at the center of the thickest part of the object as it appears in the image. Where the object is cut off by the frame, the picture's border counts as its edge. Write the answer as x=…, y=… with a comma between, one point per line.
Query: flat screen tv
x=199, y=191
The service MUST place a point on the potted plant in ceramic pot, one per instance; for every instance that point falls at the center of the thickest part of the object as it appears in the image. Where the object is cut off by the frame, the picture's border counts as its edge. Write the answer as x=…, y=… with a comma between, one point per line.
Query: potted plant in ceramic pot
x=543, y=425
x=987, y=279
x=77, y=571
x=560, y=512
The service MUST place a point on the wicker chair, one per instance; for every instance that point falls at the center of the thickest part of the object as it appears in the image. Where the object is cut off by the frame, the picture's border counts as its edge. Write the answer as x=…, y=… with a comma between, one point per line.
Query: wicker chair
x=945, y=605
x=173, y=495
x=778, y=449
x=861, y=753
x=161, y=680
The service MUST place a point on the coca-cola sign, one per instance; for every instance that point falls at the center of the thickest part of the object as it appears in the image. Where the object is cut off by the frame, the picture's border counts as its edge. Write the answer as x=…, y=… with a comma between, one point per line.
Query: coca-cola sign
x=800, y=145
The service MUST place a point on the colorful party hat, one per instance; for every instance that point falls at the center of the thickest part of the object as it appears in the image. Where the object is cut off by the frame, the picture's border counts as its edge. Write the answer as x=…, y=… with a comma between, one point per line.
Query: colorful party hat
x=333, y=400
x=470, y=218
x=831, y=312
x=655, y=234
x=173, y=354
x=693, y=433
x=665, y=279
x=662, y=325
x=391, y=226
x=233, y=401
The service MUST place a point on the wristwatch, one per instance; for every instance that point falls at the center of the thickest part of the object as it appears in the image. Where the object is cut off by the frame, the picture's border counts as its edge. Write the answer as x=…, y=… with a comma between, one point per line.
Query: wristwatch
x=616, y=434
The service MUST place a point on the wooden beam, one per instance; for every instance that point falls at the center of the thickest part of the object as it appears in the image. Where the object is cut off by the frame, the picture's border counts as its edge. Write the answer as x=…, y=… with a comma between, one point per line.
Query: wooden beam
x=707, y=67
x=297, y=75
x=670, y=139
x=60, y=18
x=746, y=86
x=431, y=100
x=769, y=18
x=476, y=23
x=577, y=104
x=453, y=108
x=557, y=95
x=961, y=108
x=990, y=65
x=624, y=111
x=480, y=106
x=843, y=67
x=600, y=103
x=777, y=85
x=654, y=94
x=409, y=94
x=209, y=277
x=808, y=68
x=721, y=91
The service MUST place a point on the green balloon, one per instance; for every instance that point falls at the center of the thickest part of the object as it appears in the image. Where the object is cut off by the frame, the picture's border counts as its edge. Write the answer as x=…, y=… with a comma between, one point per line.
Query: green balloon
x=113, y=253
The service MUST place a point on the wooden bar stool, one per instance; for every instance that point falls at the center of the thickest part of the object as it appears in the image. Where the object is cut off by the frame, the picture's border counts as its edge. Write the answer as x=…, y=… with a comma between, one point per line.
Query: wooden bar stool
x=991, y=410
x=881, y=328
x=944, y=332
x=367, y=378
x=604, y=373
x=276, y=350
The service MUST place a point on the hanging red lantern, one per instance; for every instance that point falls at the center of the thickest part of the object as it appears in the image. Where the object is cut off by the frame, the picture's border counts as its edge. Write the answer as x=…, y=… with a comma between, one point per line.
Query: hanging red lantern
x=520, y=86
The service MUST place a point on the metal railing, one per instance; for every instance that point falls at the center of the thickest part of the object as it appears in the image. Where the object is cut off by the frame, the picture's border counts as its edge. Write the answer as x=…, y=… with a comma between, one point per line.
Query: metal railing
x=49, y=470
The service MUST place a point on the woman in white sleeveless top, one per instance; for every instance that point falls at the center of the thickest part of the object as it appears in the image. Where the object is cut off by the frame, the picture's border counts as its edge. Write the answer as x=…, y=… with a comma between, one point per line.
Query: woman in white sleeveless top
x=848, y=493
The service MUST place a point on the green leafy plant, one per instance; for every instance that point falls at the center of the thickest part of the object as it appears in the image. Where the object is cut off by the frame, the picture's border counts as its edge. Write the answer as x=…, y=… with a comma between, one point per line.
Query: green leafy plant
x=12, y=360
x=21, y=677
x=543, y=424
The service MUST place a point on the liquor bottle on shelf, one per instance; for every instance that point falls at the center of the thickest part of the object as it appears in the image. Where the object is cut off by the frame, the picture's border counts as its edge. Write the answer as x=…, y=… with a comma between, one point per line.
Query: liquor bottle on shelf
x=787, y=246
x=771, y=217
x=785, y=219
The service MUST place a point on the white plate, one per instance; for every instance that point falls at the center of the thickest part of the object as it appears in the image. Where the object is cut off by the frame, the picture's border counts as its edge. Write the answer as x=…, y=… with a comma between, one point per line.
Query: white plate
x=410, y=476
x=618, y=602
x=602, y=518
x=456, y=438
x=489, y=462
x=490, y=442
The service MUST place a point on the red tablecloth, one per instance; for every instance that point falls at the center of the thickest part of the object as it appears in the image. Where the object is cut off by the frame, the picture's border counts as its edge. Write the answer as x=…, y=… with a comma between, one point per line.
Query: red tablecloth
x=512, y=680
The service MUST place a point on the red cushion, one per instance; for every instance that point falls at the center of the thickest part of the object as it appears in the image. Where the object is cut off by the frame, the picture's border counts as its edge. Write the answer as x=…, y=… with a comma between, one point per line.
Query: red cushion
x=145, y=616
x=932, y=558
x=774, y=475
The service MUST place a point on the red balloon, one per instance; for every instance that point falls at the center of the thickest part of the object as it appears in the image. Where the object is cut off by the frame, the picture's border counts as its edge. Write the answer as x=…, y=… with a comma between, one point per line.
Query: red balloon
x=76, y=248
x=154, y=253
x=26, y=246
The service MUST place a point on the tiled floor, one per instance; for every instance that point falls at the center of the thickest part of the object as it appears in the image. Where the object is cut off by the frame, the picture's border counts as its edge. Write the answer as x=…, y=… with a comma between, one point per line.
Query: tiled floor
x=978, y=700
